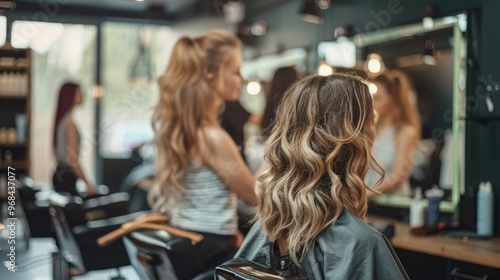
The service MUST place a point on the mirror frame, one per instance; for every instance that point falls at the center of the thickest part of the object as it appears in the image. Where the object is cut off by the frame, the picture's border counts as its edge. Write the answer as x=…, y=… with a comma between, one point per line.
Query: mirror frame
x=458, y=124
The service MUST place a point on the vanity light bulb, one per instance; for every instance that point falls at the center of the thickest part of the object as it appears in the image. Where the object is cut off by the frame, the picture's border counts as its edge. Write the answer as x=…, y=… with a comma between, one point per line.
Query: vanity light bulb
x=253, y=88
x=325, y=69
x=373, y=88
x=374, y=65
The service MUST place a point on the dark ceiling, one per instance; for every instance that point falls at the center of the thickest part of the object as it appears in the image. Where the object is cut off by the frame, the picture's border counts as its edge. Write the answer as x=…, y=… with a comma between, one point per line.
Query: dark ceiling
x=166, y=10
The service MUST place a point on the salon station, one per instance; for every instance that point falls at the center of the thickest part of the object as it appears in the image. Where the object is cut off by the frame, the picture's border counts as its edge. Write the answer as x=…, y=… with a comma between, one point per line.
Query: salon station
x=88, y=143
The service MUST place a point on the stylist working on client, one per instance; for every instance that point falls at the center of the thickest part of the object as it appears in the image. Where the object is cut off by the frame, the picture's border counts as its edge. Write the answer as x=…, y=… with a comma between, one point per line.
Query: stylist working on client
x=200, y=172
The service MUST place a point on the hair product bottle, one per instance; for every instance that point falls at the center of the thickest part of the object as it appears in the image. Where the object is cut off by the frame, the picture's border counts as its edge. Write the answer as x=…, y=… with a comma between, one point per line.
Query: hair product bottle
x=485, y=210
x=417, y=210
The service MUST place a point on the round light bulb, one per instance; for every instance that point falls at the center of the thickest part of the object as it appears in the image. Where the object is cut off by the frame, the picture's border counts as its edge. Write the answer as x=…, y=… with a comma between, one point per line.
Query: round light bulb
x=374, y=65
x=325, y=69
x=372, y=88
x=253, y=88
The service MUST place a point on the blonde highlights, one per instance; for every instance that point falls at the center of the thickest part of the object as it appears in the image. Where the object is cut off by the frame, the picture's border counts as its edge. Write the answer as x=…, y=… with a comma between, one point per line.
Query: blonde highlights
x=187, y=103
x=319, y=152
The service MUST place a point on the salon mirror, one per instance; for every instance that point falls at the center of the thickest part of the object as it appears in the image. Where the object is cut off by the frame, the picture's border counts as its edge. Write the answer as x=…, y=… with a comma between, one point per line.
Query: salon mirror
x=432, y=54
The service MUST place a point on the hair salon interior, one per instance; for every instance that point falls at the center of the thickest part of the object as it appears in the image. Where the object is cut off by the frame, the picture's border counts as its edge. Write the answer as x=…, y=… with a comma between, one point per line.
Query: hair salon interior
x=446, y=227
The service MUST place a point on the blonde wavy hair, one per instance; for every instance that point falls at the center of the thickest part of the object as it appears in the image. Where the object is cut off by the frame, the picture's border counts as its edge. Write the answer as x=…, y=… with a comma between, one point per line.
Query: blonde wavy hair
x=319, y=152
x=187, y=102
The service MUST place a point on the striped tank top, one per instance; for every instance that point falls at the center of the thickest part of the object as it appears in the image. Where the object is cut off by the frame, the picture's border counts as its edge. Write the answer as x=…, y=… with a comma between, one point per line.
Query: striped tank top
x=385, y=153
x=207, y=205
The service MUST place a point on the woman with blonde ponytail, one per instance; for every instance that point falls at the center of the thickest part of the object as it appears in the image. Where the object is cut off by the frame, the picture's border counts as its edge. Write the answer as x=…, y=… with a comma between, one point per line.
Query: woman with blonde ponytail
x=200, y=172
x=397, y=133
x=312, y=200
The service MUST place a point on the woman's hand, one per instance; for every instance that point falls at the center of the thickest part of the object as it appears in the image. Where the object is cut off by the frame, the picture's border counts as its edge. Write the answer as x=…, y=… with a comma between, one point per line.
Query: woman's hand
x=239, y=239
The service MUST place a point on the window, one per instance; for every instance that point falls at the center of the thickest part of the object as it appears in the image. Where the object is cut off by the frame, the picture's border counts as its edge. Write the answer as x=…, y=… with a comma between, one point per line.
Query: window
x=60, y=53
x=134, y=56
x=3, y=30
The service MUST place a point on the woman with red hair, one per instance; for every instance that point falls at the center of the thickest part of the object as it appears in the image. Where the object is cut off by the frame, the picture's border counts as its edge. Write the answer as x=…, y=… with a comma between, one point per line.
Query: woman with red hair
x=66, y=143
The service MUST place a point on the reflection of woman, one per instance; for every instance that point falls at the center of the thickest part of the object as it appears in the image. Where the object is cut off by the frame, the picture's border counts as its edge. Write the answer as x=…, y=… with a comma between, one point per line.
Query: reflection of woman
x=397, y=133
x=312, y=200
x=66, y=143
x=200, y=171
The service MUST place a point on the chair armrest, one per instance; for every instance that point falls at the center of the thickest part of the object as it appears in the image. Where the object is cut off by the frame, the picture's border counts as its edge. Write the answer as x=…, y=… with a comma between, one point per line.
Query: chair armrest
x=105, y=225
x=106, y=206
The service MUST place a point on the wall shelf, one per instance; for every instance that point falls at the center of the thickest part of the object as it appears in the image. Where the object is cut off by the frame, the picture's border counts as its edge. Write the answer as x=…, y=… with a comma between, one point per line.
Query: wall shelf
x=12, y=104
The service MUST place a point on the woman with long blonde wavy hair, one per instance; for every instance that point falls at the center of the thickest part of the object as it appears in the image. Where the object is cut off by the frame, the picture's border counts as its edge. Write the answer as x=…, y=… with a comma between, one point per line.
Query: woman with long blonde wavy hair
x=312, y=200
x=199, y=171
x=397, y=133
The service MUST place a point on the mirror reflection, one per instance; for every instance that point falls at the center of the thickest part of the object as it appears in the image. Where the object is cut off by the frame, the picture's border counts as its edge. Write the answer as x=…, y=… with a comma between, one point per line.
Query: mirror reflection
x=413, y=80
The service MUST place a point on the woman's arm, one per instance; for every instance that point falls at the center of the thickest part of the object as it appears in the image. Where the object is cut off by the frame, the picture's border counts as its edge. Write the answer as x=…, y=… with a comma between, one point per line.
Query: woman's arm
x=406, y=145
x=72, y=151
x=229, y=165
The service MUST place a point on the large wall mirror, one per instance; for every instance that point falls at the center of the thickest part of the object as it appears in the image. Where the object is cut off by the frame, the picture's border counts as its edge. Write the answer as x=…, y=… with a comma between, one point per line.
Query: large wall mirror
x=432, y=54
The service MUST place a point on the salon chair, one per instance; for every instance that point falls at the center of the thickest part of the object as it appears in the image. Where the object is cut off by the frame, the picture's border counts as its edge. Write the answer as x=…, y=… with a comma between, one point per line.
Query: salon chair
x=426, y=164
x=156, y=254
x=133, y=184
x=77, y=226
x=35, y=204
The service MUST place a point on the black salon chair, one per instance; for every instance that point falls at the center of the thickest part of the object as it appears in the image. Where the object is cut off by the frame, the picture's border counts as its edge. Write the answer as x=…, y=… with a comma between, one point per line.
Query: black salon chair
x=426, y=164
x=35, y=208
x=156, y=254
x=132, y=185
x=77, y=229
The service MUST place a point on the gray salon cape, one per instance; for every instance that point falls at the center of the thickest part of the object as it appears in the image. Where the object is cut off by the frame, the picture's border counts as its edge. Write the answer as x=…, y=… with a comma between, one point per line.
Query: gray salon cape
x=348, y=249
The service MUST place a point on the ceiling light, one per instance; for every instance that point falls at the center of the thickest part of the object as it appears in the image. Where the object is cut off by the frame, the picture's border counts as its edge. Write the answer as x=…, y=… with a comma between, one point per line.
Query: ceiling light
x=324, y=4
x=311, y=13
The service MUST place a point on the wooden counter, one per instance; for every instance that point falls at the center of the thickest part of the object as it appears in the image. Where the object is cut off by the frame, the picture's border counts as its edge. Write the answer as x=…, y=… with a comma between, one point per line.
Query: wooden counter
x=481, y=252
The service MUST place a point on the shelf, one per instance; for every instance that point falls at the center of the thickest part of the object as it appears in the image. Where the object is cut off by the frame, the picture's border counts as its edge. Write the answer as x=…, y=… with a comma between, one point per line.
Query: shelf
x=12, y=145
x=13, y=68
x=13, y=97
x=16, y=164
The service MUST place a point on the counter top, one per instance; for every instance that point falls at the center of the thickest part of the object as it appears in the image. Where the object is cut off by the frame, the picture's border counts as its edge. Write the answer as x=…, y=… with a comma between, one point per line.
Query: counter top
x=482, y=252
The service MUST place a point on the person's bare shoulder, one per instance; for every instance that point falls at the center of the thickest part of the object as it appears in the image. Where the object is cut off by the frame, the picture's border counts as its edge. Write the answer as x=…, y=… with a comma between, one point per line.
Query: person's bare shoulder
x=407, y=137
x=217, y=136
x=409, y=131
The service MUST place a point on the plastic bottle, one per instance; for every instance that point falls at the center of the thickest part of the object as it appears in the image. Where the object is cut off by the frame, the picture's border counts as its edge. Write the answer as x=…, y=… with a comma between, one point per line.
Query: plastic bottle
x=434, y=197
x=485, y=210
x=417, y=210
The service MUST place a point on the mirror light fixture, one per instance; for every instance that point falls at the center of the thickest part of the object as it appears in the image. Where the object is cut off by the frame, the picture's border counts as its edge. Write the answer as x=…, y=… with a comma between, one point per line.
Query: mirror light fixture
x=253, y=87
x=311, y=12
x=372, y=88
x=374, y=64
x=324, y=69
x=428, y=55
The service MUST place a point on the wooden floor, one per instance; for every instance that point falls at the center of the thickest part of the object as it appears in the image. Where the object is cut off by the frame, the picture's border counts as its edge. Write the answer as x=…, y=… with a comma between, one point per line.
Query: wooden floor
x=35, y=264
